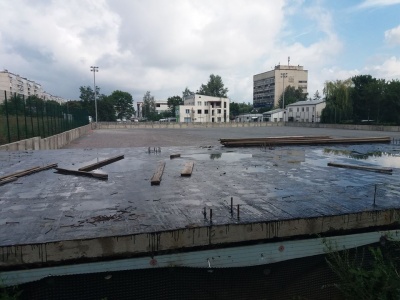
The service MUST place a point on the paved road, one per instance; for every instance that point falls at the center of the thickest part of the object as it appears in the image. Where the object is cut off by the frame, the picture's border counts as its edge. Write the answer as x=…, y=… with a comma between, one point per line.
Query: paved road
x=165, y=137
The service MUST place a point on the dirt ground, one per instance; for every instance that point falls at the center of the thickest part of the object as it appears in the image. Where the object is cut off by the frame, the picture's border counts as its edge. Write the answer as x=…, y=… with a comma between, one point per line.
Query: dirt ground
x=166, y=137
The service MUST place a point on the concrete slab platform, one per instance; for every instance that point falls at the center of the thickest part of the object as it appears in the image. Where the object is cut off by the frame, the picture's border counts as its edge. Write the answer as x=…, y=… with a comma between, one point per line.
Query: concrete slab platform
x=281, y=192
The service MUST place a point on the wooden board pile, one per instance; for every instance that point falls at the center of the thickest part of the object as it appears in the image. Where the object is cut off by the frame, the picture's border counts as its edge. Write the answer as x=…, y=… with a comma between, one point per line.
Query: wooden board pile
x=299, y=140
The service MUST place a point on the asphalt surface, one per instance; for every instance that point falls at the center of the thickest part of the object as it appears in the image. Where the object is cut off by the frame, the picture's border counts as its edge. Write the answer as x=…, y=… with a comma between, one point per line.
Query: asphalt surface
x=166, y=137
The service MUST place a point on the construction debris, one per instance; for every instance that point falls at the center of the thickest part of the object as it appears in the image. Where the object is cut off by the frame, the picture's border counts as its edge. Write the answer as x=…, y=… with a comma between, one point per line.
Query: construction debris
x=101, y=163
x=364, y=168
x=156, y=179
x=300, y=140
x=12, y=177
x=82, y=173
x=187, y=169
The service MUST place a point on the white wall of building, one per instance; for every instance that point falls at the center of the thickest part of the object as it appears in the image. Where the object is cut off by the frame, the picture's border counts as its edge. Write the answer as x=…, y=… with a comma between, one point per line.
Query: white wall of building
x=249, y=118
x=161, y=106
x=276, y=115
x=201, y=109
x=305, y=111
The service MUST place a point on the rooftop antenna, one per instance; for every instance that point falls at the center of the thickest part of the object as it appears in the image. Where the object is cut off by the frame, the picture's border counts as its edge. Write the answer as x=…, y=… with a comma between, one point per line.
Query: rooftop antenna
x=288, y=61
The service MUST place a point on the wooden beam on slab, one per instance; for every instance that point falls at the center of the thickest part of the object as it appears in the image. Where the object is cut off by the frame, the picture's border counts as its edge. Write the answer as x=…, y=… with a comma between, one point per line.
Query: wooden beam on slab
x=82, y=173
x=172, y=156
x=156, y=179
x=7, y=180
x=187, y=169
x=364, y=168
x=28, y=171
x=101, y=163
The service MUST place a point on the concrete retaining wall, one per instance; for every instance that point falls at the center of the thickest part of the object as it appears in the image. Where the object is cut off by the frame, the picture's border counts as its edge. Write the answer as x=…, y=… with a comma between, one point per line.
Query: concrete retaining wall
x=52, y=142
x=115, y=125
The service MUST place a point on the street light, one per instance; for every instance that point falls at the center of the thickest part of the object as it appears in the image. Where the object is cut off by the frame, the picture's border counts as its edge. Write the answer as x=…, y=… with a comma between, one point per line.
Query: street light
x=94, y=70
x=283, y=76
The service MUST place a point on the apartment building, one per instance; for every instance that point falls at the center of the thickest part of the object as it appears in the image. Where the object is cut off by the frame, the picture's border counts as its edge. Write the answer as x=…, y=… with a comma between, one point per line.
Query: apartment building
x=15, y=84
x=200, y=108
x=161, y=106
x=268, y=86
x=305, y=111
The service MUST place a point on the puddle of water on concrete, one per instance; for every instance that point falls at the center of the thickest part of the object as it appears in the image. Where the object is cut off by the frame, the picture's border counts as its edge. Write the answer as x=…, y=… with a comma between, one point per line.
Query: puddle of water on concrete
x=380, y=158
x=231, y=156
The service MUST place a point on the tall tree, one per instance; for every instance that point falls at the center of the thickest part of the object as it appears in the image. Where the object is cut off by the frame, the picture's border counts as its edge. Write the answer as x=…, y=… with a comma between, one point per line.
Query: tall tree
x=236, y=109
x=338, y=101
x=317, y=96
x=149, y=105
x=123, y=104
x=186, y=93
x=106, y=109
x=173, y=102
x=214, y=87
x=292, y=95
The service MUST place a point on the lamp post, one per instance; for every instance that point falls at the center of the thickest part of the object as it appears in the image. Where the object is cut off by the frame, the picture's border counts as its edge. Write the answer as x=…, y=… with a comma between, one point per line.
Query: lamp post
x=283, y=76
x=94, y=70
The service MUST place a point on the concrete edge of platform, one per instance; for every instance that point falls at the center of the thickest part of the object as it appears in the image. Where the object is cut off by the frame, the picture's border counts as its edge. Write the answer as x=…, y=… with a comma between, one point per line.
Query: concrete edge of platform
x=52, y=142
x=14, y=256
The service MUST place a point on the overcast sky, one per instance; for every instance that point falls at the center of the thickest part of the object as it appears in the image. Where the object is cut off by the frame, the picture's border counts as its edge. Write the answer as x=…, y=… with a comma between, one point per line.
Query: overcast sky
x=163, y=46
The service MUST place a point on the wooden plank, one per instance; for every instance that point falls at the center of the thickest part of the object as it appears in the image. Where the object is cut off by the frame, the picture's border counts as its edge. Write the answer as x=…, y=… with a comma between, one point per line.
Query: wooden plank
x=101, y=163
x=250, y=142
x=364, y=168
x=187, y=169
x=29, y=171
x=17, y=173
x=172, y=156
x=7, y=180
x=311, y=137
x=82, y=173
x=156, y=179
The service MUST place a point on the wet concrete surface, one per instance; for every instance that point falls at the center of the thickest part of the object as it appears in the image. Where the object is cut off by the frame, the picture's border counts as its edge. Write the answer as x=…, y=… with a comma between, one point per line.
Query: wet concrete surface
x=268, y=184
x=168, y=137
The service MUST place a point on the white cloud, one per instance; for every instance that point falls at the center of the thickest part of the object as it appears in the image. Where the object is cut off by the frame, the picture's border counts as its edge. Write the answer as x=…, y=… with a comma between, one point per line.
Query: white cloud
x=377, y=3
x=392, y=36
x=389, y=69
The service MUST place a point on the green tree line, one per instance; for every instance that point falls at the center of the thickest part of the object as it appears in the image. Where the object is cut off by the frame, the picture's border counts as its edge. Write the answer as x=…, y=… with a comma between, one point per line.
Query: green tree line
x=361, y=99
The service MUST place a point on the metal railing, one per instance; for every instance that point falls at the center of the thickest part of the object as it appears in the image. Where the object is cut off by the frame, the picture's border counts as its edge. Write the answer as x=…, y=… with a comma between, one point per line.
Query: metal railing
x=24, y=118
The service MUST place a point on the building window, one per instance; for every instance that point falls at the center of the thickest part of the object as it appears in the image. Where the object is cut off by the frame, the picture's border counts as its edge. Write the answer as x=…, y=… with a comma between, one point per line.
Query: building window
x=187, y=120
x=158, y=105
x=219, y=119
x=187, y=111
x=298, y=110
x=199, y=111
x=290, y=109
x=224, y=104
x=198, y=103
x=306, y=108
x=313, y=109
x=206, y=103
x=302, y=109
x=206, y=111
x=218, y=111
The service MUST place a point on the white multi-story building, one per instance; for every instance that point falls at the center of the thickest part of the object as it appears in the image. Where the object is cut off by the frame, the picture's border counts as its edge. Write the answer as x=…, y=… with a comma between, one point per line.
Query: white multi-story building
x=11, y=84
x=199, y=108
x=305, y=111
x=161, y=106
x=269, y=86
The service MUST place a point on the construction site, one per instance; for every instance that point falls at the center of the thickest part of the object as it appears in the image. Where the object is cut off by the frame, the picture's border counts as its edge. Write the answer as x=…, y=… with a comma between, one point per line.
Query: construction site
x=234, y=215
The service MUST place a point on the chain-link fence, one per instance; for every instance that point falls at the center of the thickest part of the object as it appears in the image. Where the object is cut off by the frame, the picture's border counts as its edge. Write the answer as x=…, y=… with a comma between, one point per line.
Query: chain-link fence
x=23, y=118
